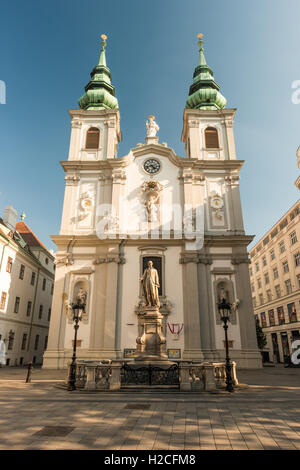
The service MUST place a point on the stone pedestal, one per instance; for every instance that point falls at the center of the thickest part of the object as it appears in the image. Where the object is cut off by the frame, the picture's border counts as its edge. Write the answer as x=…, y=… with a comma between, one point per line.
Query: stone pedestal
x=151, y=344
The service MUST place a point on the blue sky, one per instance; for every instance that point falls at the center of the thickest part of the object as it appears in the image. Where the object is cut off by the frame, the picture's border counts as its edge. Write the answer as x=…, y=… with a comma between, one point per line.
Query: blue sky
x=49, y=49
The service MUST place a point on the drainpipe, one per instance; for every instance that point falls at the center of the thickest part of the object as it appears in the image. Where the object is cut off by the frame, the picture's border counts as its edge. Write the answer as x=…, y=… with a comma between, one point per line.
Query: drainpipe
x=33, y=308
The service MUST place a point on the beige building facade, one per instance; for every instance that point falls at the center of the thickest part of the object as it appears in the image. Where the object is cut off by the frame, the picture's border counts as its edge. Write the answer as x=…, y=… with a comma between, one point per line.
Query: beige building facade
x=26, y=289
x=183, y=213
x=275, y=284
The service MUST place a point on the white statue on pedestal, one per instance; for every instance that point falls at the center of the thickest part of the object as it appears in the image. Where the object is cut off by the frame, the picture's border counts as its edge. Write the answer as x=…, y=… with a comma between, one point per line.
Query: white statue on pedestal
x=151, y=126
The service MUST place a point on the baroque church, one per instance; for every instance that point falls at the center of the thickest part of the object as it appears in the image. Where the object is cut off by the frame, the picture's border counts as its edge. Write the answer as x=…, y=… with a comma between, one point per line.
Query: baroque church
x=183, y=213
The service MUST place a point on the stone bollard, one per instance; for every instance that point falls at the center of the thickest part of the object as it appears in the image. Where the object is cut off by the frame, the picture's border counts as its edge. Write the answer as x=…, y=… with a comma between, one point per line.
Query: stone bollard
x=233, y=373
x=184, y=376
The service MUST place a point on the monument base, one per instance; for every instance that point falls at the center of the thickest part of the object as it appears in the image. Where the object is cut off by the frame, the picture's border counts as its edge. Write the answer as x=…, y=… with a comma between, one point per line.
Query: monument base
x=151, y=344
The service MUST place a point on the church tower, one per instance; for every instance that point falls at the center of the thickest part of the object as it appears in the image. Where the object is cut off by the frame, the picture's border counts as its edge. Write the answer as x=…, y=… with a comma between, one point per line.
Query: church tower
x=221, y=266
x=182, y=213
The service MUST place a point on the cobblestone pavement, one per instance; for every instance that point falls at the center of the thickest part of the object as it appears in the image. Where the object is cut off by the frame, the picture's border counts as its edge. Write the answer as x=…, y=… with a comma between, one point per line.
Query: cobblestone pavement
x=40, y=415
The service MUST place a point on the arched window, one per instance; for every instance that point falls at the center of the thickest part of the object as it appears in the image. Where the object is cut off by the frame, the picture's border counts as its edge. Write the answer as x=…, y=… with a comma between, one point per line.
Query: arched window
x=211, y=138
x=92, y=138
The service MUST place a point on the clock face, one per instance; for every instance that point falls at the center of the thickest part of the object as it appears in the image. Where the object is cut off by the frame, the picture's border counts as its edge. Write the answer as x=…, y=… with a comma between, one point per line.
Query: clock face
x=152, y=166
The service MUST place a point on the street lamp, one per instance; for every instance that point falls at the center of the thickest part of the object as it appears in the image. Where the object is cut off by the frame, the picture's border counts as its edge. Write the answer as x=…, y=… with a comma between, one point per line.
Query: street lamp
x=77, y=309
x=224, y=312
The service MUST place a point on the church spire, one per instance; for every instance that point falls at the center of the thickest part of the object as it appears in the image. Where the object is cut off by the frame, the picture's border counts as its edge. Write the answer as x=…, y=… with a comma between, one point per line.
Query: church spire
x=204, y=92
x=99, y=92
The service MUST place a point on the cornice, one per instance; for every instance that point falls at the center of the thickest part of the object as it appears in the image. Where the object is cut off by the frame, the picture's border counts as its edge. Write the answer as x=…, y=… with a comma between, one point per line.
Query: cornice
x=220, y=166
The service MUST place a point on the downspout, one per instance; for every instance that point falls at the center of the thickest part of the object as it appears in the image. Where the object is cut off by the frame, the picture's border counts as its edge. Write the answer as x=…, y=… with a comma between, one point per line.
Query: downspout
x=62, y=308
x=33, y=308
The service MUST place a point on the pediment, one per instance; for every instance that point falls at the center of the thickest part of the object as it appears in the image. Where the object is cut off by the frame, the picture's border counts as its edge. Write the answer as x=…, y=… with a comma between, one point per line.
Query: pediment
x=159, y=151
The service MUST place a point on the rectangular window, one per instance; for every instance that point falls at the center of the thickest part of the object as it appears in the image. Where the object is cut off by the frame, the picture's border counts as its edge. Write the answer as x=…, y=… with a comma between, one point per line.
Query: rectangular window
x=17, y=305
x=49, y=314
x=292, y=312
x=285, y=266
x=32, y=278
x=267, y=279
x=281, y=247
x=257, y=267
x=52, y=288
x=298, y=280
x=251, y=272
x=293, y=237
x=254, y=301
x=11, y=338
x=275, y=273
x=271, y=317
x=261, y=299
x=263, y=320
x=272, y=254
x=259, y=283
x=24, y=339
x=44, y=284
x=36, y=342
x=266, y=241
x=40, y=312
x=3, y=300
x=269, y=295
x=264, y=261
x=29, y=304
x=288, y=286
x=297, y=259
x=274, y=233
x=46, y=342
x=9, y=264
x=252, y=288
x=283, y=224
x=22, y=270
x=278, y=291
x=280, y=313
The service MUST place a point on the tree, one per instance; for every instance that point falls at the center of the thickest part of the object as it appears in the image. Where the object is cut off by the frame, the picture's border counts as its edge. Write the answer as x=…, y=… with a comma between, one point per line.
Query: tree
x=261, y=337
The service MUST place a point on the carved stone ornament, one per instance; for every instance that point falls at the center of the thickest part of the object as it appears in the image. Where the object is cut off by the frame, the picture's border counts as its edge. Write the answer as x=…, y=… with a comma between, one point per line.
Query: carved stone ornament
x=115, y=259
x=85, y=205
x=72, y=179
x=217, y=204
x=66, y=260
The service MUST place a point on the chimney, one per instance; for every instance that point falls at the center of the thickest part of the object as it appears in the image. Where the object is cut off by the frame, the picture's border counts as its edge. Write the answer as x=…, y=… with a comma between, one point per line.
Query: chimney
x=10, y=217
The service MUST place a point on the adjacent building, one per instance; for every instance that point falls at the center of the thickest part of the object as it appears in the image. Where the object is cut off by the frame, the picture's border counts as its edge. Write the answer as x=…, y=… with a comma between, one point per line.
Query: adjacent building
x=275, y=284
x=26, y=288
x=182, y=212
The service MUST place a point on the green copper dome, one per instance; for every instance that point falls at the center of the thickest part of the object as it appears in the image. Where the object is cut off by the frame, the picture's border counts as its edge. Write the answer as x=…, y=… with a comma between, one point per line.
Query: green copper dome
x=99, y=92
x=204, y=92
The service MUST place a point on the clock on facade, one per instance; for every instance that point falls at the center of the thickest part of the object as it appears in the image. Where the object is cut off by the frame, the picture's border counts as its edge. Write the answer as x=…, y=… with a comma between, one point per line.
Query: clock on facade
x=152, y=166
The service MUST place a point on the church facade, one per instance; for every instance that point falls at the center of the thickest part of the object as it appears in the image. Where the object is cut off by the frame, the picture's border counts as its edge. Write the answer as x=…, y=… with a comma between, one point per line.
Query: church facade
x=182, y=213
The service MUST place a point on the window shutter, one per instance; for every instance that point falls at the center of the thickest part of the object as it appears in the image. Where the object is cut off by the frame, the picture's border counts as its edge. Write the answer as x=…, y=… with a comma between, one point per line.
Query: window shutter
x=211, y=138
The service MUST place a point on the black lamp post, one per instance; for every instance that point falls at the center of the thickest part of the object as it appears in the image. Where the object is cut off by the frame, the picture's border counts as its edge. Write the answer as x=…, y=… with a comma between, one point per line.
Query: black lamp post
x=77, y=315
x=224, y=311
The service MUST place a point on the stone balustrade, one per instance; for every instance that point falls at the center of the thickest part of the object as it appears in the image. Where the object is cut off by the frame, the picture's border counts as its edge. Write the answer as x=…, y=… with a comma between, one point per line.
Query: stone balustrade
x=106, y=375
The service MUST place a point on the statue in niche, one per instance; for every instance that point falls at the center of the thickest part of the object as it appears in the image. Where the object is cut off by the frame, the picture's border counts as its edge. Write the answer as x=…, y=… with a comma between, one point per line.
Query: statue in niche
x=151, y=191
x=150, y=282
x=223, y=294
x=151, y=126
x=81, y=297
